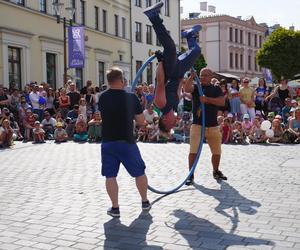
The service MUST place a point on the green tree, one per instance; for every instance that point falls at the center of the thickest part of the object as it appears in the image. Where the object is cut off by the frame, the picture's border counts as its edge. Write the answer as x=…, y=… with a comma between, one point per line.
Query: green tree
x=281, y=53
x=200, y=62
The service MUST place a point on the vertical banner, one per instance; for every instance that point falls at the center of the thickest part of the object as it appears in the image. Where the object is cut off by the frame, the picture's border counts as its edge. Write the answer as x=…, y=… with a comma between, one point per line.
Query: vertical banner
x=76, y=46
x=267, y=75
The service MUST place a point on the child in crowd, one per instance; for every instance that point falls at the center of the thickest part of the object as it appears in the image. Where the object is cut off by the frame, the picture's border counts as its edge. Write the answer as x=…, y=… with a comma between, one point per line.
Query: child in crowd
x=58, y=118
x=17, y=132
x=238, y=135
x=246, y=124
x=225, y=130
x=60, y=135
x=142, y=134
x=29, y=124
x=95, y=128
x=80, y=129
x=257, y=135
x=6, y=134
x=278, y=131
x=82, y=108
x=38, y=133
x=220, y=119
x=154, y=131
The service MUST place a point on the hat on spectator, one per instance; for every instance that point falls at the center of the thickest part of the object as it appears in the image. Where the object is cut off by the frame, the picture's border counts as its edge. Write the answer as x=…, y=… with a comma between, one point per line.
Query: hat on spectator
x=258, y=112
x=271, y=114
x=293, y=101
x=59, y=124
x=5, y=110
x=278, y=117
x=246, y=116
x=36, y=122
x=292, y=109
x=229, y=115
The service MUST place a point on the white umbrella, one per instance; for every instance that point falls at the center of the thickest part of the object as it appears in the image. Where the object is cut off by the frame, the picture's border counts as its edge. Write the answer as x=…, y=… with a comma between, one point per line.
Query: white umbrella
x=254, y=81
x=294, y=83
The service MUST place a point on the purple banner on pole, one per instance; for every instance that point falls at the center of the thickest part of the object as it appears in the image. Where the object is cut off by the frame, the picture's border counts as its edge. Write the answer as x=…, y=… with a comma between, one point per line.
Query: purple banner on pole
x=76, y=46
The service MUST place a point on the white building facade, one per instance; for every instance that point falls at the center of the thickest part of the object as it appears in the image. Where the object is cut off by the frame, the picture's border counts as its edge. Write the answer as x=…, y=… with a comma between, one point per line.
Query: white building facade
x=32, y=45
x=229, y=44
x=144, y=41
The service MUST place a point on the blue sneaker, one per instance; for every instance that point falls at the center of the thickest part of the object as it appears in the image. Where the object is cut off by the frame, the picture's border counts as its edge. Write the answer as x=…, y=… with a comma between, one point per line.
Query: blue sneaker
x=153, y=10
x=114, y=212
x=192, y=32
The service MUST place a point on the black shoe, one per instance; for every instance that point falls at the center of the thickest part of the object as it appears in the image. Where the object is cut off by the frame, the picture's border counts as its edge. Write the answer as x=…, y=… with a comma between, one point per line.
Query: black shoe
x=190, y=181
x=114, y=212
x=159, y=55
x=218, y=175
x=146, y=206
x=153, y=10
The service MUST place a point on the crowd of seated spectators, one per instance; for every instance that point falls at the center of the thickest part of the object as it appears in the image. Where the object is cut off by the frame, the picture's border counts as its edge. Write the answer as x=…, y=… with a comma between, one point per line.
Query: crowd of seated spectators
x=39, y=113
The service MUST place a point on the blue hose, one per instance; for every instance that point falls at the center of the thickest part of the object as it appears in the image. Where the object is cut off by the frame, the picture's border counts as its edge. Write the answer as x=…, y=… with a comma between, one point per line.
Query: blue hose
x=138, y=75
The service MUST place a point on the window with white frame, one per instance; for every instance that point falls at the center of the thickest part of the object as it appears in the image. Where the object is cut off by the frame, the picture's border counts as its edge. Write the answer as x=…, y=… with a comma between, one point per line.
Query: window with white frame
x=116, y=25
x=138, y=32
x=82, y=12
x=123, y=27
x=104, y=21
x=51, y=69
x=101, y=73
x=167, y=8
x=79, y=78
x=43, y=6
x=14, y=67
x=148, y=3
x=148, y=34
x=138, y=65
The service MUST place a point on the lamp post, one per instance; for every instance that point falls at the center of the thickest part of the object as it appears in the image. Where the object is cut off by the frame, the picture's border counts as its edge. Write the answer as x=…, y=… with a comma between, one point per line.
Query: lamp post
x=71, y=11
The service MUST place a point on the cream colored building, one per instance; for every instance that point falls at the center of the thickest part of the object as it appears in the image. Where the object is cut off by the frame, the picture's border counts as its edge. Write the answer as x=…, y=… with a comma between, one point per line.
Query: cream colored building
x=229, y=44
x=31, y=41
x=144, y=38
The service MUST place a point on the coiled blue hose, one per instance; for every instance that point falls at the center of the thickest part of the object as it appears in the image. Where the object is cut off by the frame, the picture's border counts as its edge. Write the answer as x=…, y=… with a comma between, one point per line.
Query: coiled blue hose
x=138, y=75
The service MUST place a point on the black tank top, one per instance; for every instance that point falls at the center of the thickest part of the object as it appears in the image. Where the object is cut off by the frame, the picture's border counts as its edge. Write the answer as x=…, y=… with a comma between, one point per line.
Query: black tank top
x=283, y=94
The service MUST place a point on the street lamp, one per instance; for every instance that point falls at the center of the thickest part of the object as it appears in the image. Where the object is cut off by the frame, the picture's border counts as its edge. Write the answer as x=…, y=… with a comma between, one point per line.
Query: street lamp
x=71, y=11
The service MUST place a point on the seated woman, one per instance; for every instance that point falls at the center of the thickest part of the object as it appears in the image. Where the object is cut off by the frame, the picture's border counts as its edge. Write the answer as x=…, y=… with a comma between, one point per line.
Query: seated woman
x=278, y=131
x=6, y=134
x=95, y=128
x=80, y=134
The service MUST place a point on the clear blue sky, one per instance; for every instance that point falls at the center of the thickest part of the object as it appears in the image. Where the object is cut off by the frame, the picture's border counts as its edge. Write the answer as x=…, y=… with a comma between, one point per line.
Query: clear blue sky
x=284, y=12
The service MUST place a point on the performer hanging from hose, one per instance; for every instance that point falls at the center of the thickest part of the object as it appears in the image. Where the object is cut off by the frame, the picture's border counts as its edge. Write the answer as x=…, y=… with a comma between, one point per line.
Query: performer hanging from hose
x=171, y=69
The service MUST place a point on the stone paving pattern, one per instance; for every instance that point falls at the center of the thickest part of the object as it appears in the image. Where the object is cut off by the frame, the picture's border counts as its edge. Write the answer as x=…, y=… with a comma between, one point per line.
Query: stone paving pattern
x=53, y=197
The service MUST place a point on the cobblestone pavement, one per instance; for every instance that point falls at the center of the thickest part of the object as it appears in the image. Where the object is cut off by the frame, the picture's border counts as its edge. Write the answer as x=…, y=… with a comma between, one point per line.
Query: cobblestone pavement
x=53, y=197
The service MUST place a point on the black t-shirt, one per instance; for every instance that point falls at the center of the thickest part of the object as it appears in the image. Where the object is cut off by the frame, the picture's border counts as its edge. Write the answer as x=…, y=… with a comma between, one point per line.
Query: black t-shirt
x=118, y=109
x=74, y=98
x=83, y=91
x=3, y=98
x=210, y=110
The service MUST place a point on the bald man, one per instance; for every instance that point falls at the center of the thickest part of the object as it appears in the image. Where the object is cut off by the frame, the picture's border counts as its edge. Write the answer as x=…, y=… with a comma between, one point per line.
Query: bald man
x=212, y=99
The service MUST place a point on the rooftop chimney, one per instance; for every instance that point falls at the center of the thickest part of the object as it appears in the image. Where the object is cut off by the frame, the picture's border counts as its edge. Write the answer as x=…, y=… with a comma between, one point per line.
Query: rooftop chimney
x=212, y=8
x=203, y=6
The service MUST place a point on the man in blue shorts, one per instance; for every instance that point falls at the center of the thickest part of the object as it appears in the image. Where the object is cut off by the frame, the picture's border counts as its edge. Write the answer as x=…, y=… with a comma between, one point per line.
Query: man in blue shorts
x=171, y=68
x=118, y=110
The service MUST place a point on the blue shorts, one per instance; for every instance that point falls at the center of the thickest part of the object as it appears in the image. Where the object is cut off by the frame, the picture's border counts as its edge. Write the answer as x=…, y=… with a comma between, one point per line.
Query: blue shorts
x=116, y=152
